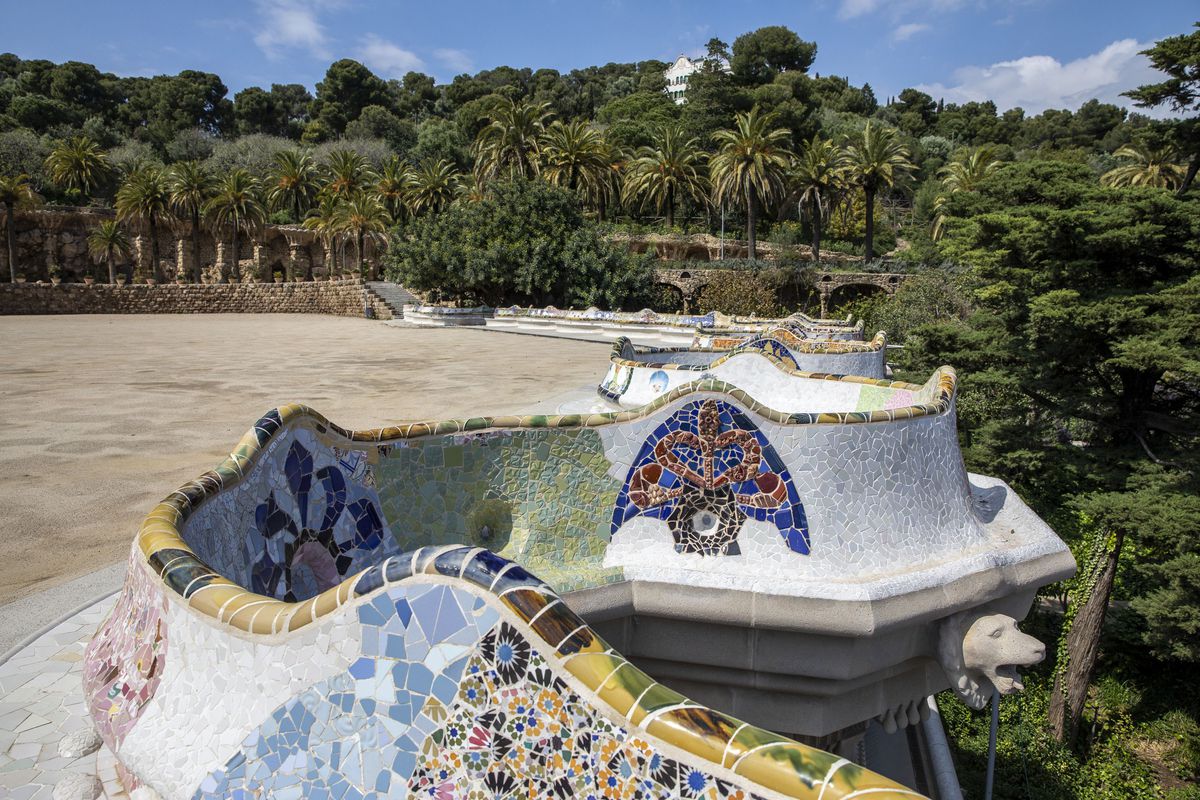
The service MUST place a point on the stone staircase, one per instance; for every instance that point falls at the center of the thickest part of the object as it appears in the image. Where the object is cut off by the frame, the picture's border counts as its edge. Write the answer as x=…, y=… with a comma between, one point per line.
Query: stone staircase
x=393, y=295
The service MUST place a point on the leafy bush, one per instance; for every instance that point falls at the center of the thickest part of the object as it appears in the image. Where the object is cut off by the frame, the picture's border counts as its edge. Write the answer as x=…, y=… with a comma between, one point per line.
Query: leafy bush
x=526, y=243
x=377, y=152
x=253, y=153
x=745, y=291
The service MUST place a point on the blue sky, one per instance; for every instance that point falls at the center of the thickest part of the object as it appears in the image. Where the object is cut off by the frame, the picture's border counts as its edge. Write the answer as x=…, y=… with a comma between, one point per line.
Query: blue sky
x=1032, y=53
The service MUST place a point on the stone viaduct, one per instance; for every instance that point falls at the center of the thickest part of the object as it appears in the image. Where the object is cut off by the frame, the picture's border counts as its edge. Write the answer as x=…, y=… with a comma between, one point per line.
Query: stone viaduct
x=689, y=282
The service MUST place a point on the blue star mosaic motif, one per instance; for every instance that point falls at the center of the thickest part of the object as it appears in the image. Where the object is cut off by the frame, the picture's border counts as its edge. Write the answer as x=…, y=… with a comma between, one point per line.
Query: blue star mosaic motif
x=704, y=471
x=316, y=534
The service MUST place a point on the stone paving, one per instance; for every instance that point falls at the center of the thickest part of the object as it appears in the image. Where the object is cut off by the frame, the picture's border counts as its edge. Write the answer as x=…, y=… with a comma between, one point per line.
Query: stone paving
x=41, y=702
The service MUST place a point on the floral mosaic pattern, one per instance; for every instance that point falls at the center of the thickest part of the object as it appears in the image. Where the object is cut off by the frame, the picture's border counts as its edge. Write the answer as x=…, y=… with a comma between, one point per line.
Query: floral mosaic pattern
x=704, y=471
x=123, y=663
x=301, y=549
x=517, y=730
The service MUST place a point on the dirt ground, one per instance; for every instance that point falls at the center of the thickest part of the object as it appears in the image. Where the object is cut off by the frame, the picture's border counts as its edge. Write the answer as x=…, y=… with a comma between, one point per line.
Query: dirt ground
x=103, y=416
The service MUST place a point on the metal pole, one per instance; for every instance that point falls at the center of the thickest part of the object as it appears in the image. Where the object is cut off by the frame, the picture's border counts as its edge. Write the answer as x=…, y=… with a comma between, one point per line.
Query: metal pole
x=991, y=765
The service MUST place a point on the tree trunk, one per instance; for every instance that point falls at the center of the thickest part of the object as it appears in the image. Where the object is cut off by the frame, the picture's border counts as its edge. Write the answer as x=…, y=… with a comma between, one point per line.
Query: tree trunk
x=358, y=244
x=1193, y=167
x=869, y=249
x=154, y=248
x=108, y=256
x=9, y=210
x=670, y=208
x=751, y=219
x=197, y=275
x=1083, y=647
x=816, y=226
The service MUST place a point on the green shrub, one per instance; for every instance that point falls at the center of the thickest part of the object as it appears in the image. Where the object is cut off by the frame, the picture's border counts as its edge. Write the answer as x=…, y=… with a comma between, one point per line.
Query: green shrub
x=526, y=243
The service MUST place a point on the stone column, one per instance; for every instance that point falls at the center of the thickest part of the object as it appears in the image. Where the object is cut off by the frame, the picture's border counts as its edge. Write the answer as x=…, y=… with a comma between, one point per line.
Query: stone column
x=139, y=256
x=181, y=260
x=259, y=255
x=329, y=260
x=293, y=262
x=219, y=263
x=50, y=243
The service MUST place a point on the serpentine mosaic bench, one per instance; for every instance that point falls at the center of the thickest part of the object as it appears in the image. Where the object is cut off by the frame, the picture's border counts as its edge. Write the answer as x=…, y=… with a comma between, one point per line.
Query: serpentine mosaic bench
x=286, y=624
x=670, y=328
x=778, y=371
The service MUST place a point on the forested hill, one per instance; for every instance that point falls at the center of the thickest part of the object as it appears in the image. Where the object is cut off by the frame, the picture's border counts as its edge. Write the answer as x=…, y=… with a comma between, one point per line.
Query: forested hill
x=179, y=117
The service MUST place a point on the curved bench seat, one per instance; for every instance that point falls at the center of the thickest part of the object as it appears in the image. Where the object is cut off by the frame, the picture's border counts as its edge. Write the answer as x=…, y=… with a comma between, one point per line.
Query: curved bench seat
x=250, y=634
x=434, y=673
x=773, y=368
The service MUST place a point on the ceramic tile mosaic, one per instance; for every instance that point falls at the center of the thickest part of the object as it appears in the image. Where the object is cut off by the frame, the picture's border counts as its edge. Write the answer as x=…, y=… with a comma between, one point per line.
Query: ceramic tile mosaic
x=332, y=589
x=359, y=734
x=124, y=662
x=459, y=673
x=765, y=367
x=312, y=519
x=704, y=471
x=40, y=705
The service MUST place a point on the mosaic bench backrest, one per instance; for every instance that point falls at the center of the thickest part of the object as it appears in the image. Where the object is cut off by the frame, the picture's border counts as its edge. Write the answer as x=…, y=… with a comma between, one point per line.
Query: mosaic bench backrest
x=445, y=672
x=784, y=351
x=703, y=474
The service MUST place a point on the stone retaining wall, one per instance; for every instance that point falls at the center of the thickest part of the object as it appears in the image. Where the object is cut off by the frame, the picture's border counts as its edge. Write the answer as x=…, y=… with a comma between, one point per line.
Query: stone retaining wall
x=344, y=298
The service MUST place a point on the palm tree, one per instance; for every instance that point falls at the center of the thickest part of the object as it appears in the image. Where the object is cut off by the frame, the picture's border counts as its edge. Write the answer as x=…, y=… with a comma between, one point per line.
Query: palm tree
x=574, y=156
x=668, y=171
x=105, y=242
x=470, y=190
x=362, y=216
x=750, y=166
x=878, y=159
x=816, y=175
x=1146, y=166
x=609, y=187
x=392, y=187
x=15, y=192
x=145, y=198
x=292, y=183
x=347, y=173
x=433, y=185
x=509, y=145
x=78, y=165
x=191, y=187
x=322, y=219
x=962, y=175
x=236, y=203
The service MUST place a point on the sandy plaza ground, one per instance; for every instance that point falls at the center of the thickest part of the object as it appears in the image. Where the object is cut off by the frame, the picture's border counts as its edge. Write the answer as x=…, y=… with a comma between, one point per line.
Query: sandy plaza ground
x=102, y=416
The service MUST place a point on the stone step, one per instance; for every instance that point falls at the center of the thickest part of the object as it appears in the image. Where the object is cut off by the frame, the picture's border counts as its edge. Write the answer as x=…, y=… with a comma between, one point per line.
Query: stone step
x=392, y=294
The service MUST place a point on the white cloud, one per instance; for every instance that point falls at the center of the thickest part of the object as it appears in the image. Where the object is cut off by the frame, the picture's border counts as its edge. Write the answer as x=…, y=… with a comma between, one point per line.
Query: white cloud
x=907, y=31
x=386, y=58
x=456, y=60
x=850, y=9
x=287, y=24
x=1036, y=83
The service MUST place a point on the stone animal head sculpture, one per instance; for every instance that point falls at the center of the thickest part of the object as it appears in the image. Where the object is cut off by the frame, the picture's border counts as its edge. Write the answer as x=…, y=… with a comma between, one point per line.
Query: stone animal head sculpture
x=982, y=652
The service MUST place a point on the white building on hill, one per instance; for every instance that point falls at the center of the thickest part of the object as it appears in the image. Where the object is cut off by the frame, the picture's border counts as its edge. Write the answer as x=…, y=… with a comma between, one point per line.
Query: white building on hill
x=678, y=73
